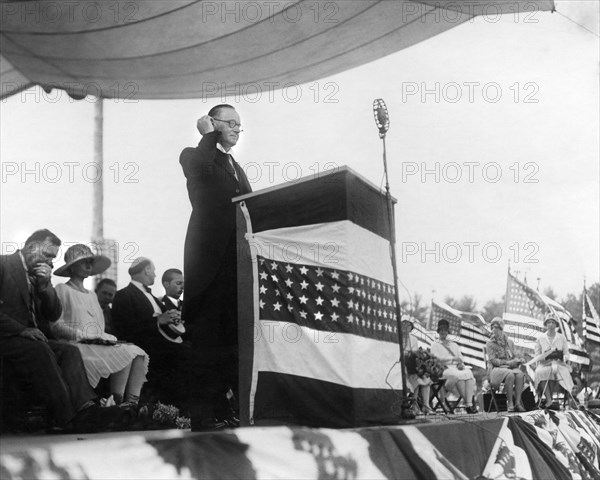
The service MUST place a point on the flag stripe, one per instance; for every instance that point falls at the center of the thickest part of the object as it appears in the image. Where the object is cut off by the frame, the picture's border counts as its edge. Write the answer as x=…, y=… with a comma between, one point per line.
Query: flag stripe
x=315, y=403
x=327, y=245
x=329, y=356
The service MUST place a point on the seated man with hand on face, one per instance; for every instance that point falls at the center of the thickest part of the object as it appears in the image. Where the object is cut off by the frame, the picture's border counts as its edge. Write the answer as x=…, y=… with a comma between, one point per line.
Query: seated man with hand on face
x=141, y=318
x=54, y=370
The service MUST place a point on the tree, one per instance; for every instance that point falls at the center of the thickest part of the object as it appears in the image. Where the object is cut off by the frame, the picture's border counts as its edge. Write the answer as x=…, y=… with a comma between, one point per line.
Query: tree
x=466, y=304
x=415, y=308
x=549, y=292
x=493, y=309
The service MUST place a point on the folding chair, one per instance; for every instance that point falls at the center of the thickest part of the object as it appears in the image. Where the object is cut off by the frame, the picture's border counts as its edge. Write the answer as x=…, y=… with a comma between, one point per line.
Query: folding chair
x=438, y=393
x=494, y=392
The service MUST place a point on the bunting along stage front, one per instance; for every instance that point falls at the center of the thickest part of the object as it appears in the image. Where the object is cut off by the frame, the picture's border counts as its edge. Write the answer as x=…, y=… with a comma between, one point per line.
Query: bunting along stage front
x=324, y=329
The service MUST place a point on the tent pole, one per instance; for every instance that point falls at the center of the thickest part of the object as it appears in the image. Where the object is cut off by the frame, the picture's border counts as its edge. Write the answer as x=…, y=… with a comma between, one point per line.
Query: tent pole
x=98, y=186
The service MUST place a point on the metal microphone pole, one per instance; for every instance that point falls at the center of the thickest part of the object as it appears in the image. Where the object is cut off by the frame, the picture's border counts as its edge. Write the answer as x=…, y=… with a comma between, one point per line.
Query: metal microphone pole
x=382, y=121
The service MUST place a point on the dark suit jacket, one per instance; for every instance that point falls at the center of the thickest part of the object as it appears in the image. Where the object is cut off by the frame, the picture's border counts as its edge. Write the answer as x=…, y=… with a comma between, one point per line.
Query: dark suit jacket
x=15, y=312
x=169, y=305
x=133, y=319
x=212, y=223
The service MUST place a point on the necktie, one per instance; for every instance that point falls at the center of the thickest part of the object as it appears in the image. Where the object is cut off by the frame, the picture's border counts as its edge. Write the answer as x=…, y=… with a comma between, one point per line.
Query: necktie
x=148, y=289
x=179, y=304
x=229, y=165
x=31, y=286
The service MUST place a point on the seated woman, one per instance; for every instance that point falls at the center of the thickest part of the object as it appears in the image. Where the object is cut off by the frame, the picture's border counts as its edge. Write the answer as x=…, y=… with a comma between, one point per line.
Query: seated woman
x=456, y=375
x=419, y=385
x=82, y=320
x=552, y=368
x=504, y=365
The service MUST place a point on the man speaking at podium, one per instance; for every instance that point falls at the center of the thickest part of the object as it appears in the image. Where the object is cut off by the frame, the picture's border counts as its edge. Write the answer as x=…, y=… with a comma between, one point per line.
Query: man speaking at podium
x=210, y=263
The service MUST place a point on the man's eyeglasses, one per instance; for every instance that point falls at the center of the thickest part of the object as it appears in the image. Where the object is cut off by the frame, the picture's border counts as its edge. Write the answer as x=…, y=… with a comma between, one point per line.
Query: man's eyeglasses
x=231, y=123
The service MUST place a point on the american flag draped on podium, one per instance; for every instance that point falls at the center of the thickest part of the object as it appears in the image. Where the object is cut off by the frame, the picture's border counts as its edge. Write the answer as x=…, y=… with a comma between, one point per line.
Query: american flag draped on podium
x=466, y=329
x=325, y=347
x=524, y=320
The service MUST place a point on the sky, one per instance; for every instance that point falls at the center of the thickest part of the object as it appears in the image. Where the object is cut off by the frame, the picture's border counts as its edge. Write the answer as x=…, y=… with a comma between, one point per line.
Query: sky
x=493, y=153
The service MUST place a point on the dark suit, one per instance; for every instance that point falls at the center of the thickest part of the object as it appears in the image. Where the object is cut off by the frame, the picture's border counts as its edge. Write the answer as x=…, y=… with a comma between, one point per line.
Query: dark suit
x=210, y=264
x=134, y=321
x=54, y=370
x=169, y=305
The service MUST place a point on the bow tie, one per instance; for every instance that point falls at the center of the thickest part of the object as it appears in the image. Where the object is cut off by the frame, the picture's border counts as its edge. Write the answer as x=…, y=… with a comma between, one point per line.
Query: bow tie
x=148, y=289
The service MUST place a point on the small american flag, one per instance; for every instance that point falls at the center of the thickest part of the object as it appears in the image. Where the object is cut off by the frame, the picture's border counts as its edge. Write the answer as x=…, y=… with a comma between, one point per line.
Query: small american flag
x=591, y=322
x=524, y=314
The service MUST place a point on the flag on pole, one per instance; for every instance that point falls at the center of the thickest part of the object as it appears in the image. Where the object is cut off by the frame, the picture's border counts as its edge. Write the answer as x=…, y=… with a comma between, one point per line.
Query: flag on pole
x=441, y=310
x=524, y=320
x=465, y=329
x=524, y=314
x=591, y=322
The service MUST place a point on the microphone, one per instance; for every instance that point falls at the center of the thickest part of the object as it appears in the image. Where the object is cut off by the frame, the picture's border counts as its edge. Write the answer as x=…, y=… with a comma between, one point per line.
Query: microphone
x=382, y=119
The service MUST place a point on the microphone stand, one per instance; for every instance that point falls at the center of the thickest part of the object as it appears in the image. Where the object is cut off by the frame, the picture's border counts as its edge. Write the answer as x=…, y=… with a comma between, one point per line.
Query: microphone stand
x=406, y=412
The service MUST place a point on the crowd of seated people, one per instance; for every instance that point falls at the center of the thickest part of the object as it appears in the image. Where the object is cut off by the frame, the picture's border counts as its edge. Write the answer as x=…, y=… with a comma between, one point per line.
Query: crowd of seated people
x=61, y=341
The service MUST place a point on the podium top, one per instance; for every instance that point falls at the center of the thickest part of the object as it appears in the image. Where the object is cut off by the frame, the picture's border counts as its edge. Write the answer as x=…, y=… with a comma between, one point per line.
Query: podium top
x=332, y=196
x=309, y=178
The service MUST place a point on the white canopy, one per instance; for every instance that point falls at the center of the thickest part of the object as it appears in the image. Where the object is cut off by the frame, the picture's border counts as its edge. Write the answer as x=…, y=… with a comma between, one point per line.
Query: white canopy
x=192, y=48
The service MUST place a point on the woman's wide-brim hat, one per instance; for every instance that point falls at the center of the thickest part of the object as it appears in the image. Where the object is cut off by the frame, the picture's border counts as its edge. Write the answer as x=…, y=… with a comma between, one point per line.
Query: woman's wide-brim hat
x=78, y=253
x=550, y=317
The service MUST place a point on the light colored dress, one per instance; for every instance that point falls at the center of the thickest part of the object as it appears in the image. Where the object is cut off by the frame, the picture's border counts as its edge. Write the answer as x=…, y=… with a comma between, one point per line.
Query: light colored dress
x=413, y=380
x=452, y=374
x=553, y=369
x=82, y=318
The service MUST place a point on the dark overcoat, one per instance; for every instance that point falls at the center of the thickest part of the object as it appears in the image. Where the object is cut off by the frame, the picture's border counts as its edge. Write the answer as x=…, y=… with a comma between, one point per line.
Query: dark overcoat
x=211, y=185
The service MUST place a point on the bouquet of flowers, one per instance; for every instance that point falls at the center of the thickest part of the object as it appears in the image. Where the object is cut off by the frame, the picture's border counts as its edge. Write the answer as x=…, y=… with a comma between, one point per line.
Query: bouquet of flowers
x=160, y=415
x=423, y=364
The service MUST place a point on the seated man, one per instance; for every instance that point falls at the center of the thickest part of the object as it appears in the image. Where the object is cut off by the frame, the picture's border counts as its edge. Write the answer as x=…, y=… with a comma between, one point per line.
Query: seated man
x=55, y=371
x=172, y=281
x=141, y=318
x=105, y=291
